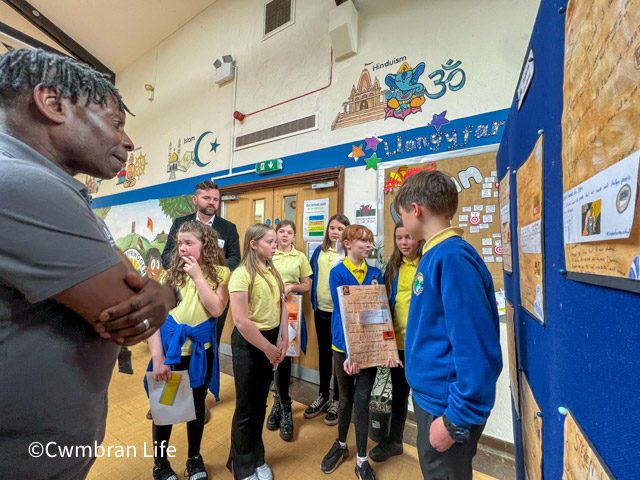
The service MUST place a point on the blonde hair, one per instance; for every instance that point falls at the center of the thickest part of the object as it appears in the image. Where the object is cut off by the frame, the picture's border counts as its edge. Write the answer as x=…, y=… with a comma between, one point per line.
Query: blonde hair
x=250, y=258
x=211, y=255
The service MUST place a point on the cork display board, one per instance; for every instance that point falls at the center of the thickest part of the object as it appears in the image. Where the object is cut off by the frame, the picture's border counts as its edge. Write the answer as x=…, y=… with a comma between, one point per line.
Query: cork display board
x=505, y=221
x=600, y=147
x=478, y=214
x=581, y=460
x=531, y=432
x=513, y=356
x=531, y=232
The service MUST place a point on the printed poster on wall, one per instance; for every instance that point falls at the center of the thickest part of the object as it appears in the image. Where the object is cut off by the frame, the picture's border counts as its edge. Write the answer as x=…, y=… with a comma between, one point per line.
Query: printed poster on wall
x=513, y=357
x=531, y=432
x=366, y=215
x=581, y=460
x=314, y=219
x=600, y=152
x=531, y=233
x=505, y=222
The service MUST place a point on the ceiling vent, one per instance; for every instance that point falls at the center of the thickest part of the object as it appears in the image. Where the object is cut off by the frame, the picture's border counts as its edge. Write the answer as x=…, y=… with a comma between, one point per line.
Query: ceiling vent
x=283, y=130
x=278, y=15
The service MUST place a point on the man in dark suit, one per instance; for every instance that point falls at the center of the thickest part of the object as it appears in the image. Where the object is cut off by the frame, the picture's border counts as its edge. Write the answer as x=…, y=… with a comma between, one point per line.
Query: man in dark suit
x=207, y=201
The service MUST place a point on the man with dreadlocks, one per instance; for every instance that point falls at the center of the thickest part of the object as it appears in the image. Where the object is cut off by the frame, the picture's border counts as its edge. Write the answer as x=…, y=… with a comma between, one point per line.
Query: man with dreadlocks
x=68, y=301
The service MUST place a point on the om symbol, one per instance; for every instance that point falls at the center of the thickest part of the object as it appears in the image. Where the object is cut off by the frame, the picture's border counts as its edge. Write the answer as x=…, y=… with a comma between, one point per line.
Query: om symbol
x=438, y=77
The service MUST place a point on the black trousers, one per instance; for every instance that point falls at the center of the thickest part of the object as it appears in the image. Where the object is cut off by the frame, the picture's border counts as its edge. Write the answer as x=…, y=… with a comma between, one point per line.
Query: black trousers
x=453, y=464
x=283, y=379
x=399, y=401
x=220, y=325
x=195, y=428
x=325, y=355
x=252, y=374
x=356, y=393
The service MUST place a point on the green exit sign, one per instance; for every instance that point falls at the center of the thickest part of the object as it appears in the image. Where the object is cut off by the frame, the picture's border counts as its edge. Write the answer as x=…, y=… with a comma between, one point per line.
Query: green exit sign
x=269, y=166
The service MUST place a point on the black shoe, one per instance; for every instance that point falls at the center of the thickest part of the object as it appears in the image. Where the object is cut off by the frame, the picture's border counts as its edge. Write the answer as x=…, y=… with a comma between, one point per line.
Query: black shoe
x=365, y=472
x=317, y=406
x=332, y=414
x=384, y=450
x=163, y=471
x=334, y=458
x=286, y=423
x=196, y=469
x=273, y=421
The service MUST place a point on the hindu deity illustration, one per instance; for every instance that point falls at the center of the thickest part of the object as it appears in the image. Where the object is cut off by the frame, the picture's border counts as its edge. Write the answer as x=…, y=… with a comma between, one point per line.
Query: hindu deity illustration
x=406, y=94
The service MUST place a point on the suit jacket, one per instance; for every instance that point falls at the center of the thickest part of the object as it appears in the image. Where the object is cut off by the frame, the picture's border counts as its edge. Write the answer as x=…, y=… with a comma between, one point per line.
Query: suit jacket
x=227, y=233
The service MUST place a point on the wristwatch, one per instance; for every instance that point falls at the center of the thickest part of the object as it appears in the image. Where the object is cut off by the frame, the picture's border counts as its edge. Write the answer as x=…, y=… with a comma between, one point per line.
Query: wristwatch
x=176, y=290
x=459, y=434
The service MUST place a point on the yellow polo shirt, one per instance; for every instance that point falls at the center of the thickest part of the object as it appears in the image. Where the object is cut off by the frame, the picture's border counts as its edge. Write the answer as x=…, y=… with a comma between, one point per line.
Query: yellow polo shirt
x=323, y=294
x=406, y=274
x=292, y=266
x=441, y=236
x=191, y=311
x=359, y=272
x=264, y=304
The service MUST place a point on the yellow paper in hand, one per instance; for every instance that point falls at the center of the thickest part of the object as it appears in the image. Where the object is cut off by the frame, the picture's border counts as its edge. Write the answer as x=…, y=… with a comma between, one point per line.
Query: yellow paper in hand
x=170, y=389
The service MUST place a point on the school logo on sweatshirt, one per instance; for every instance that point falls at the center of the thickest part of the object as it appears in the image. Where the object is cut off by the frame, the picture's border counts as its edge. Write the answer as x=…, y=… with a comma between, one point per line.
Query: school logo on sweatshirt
x=418, y=284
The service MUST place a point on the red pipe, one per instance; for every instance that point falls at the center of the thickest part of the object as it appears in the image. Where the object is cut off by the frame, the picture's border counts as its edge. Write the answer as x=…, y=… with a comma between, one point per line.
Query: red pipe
x=299, y=96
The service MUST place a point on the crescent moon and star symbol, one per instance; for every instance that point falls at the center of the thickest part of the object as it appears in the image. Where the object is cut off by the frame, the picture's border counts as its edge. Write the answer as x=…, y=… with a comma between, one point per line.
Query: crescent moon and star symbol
x=214, y=148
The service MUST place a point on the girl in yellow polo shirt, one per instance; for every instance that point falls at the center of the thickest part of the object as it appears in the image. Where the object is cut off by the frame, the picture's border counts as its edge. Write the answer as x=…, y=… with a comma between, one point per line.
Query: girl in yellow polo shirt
x=295, y=271
x=259, y=341
x=398, y=279
x=187, y=340
x=322, y=261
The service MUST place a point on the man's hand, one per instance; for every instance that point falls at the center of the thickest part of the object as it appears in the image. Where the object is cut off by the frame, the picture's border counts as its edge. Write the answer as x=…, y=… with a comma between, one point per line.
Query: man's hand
x=125, y=323
x=439, y=436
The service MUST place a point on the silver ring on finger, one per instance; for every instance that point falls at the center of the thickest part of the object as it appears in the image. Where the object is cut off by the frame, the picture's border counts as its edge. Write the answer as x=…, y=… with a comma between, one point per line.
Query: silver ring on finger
x=146, y=324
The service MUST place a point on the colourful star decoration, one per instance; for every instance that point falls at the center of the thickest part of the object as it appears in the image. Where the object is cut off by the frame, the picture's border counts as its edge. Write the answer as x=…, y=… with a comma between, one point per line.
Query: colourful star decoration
x=372, y=143
x=372, y=162
x=356, y=152
x=438, y=120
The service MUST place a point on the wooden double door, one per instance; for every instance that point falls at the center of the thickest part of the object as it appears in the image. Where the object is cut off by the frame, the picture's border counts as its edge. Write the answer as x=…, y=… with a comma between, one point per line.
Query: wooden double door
x=271, y=205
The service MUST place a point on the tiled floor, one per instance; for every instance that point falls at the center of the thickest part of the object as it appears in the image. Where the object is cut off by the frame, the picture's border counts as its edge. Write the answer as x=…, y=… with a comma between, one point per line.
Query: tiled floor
x=127, y=429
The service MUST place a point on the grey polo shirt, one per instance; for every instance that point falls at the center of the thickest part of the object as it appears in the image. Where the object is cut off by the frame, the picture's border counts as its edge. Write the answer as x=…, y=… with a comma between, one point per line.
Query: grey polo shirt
x=54, y=369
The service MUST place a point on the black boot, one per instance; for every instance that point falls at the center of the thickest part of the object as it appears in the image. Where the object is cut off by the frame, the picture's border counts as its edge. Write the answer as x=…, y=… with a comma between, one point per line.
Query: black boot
x=286, y=423
x=273, y=421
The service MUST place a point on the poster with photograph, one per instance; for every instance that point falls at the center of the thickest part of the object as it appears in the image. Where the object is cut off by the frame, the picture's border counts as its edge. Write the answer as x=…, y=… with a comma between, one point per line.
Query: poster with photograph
x=367, y=324
x=599, y=152
x=531, y=232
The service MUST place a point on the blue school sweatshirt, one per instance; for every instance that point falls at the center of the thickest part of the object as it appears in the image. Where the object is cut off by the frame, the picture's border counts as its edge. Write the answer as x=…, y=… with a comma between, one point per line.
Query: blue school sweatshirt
x=452, y=342
x=339, y=276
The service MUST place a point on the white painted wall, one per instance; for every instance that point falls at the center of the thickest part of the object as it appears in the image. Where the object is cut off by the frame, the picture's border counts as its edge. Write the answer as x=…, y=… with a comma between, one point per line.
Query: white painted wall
x=488, y=37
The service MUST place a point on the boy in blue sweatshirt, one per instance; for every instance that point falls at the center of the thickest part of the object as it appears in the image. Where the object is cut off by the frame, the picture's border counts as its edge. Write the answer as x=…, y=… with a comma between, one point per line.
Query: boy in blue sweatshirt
x=452, y=345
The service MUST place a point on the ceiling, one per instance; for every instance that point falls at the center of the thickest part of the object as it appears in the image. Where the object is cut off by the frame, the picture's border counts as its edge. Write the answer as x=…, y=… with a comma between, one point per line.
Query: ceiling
x=118, y=32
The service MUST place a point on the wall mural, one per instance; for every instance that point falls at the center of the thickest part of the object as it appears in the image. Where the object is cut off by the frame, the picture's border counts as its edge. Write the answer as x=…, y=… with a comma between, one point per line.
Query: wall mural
x=128, y=175
x=201, y=154
x=141, y=229
x=405, y=96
